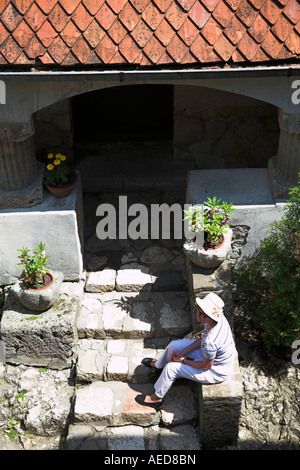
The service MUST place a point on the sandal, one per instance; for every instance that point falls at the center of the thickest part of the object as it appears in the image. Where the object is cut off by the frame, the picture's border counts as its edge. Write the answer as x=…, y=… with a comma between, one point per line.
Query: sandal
x=140, y=399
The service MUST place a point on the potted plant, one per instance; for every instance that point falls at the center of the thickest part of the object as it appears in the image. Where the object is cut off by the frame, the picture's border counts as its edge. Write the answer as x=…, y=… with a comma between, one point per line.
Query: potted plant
x=211, y=235
x=58, y=178
x=38, y=288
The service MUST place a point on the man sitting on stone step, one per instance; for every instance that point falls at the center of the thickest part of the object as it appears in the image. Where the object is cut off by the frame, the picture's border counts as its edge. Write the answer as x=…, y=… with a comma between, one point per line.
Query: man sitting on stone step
x=207, y=360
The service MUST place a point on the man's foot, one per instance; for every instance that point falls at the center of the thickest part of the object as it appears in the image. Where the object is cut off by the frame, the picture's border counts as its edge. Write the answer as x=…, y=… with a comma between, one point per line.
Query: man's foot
x=148, y=400
x=149, y=362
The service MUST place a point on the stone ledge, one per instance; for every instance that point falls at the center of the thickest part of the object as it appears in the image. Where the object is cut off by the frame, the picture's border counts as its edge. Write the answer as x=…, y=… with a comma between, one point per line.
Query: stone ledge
x=219, y=404
x=42, y=339
x=219, y=409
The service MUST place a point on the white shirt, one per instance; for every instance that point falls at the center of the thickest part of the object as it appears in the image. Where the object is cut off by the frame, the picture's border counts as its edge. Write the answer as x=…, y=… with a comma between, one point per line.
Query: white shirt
x=218, y=344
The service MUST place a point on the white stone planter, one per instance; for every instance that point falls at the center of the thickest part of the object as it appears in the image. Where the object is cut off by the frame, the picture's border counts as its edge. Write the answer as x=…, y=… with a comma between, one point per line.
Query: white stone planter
x=210, y=258
x=39, y=299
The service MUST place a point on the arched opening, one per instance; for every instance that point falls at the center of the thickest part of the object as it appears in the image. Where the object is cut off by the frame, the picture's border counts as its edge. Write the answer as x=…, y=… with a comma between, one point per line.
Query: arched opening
x=124, y=114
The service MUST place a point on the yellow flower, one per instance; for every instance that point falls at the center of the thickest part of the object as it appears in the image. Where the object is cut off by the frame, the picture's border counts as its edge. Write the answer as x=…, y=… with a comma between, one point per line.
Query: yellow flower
x=58, y=155
x=63, y=158
x=50, y=155
x=50, y=166
x=57, y=161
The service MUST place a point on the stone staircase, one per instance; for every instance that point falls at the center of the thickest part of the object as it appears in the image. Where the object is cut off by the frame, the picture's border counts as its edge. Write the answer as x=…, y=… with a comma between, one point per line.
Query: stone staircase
x=123, y=318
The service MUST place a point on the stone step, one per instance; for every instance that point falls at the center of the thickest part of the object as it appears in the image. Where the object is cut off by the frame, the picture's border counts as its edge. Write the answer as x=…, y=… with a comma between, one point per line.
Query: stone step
x=135, y=279
x=114, y=360
x=113, y=404
x=183, y=437
x=134, y=315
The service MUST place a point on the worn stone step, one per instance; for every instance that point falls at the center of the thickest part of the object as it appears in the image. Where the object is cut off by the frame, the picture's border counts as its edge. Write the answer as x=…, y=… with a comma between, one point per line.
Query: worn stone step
x=113, y=404
x=114, y=359
x=135, y=279
x=183, y=437
x=134, y=315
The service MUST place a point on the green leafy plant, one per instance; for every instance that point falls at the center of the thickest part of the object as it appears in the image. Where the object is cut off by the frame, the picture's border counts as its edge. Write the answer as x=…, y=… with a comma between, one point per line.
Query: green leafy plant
x=57, y=172
x=34, y=266
x=212, y=218
x=267, y=284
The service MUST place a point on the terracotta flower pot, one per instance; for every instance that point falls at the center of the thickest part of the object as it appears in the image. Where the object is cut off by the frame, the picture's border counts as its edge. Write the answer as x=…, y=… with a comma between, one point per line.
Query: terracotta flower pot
x=208, y=257
x=40, y=299
x=64, y=189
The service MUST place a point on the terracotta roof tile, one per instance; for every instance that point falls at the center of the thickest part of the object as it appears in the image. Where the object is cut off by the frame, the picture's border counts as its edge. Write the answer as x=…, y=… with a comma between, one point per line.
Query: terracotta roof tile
x=210, y=4
x=129, y=17
x=81, y=50
x=223, y=14
x=271, y=45
x=22, y=6
x=248, y=47
x=211, y=31
x=282, y=28
x=246, y=13
x=292, y=11
x=11, y=17
x=259, y=29
x=199, y=14
x=68, y=5
x=71, y=33
x=45, y=5
x=3, y=33
x=162, y=5
x=148, y=32
x=93, y=5
x=94, y=33
x=177, y=49
x=58, y=18
x=142, y=33
x=176, y=16
x=152, y=16
x=46, y=34
x=224, y=47
x=23, y=34
x=34, y=17
x=164, y=33
x=188, y=32
x=270, y=11
x=235, y=30
x=34, y=48
x=106, y=49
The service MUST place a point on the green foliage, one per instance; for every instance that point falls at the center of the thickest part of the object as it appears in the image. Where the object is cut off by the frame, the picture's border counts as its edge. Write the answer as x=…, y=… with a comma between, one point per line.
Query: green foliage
x=267, y=284
x=212, y=218
x=33, y=265
x=57, y=171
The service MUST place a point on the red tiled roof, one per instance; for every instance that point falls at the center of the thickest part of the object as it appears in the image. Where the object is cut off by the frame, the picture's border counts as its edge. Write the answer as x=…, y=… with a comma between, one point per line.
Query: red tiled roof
x=148, y=32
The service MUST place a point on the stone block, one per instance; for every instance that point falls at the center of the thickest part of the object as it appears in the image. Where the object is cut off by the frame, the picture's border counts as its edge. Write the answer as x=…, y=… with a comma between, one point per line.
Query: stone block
x=113, y=403
x=89, y=322
x=44, y=339
x=101, y=281
x=182, y=437
x=56, y=222
x=133, y=280
x=220, y=409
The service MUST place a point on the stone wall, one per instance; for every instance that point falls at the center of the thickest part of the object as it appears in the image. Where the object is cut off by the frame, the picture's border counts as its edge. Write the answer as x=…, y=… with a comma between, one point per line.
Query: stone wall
x=54, y=130
x=218, y=129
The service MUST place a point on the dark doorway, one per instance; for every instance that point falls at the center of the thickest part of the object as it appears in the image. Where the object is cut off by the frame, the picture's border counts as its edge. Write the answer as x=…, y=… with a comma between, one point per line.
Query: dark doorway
x=123, y=114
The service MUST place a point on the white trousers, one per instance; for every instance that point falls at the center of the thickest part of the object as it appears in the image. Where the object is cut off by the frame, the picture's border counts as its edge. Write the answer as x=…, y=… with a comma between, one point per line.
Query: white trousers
x=175, y=370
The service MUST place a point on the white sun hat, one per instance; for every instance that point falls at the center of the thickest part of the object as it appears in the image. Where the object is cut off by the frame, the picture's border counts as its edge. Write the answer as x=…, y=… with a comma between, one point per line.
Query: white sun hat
x=212, y=305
